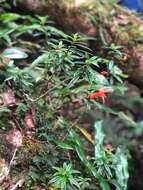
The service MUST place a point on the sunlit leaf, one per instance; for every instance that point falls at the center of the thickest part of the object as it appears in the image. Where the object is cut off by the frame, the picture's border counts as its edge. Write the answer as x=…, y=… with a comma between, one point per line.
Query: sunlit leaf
x=15, y=53
x=121, y=169
x=99, y=137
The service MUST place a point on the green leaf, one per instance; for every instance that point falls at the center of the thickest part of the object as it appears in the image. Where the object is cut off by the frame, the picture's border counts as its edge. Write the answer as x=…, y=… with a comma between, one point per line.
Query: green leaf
x=40, y=59
x=103, y=183
x=81, y=153
x=28, y=28
x=127, y=119
x=33, y=175
x=99, y=138
x=37, y=75
x=64, y=145
x=9, y=17
x=73, y=82
x=121, y=169
x=4, y=109
x=78, y=146
x=56, y=31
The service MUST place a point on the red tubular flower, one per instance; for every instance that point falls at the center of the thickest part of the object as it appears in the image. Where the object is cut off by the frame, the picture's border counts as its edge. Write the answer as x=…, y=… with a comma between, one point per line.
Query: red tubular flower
x=99, y=94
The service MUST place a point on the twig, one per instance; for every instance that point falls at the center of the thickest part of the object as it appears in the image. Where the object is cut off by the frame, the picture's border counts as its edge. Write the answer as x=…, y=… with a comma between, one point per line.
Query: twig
x=13, y=157
x=44, y=94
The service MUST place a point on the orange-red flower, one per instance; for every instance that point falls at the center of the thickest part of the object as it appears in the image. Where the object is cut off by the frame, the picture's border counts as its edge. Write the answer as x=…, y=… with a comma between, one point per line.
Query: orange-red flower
x=99, y=94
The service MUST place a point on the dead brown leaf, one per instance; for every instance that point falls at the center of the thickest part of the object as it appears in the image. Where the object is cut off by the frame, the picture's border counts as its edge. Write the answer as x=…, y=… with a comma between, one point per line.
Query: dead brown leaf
x=3, y=170
x=29, y=121
x=9, y=99
x=14, y=138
